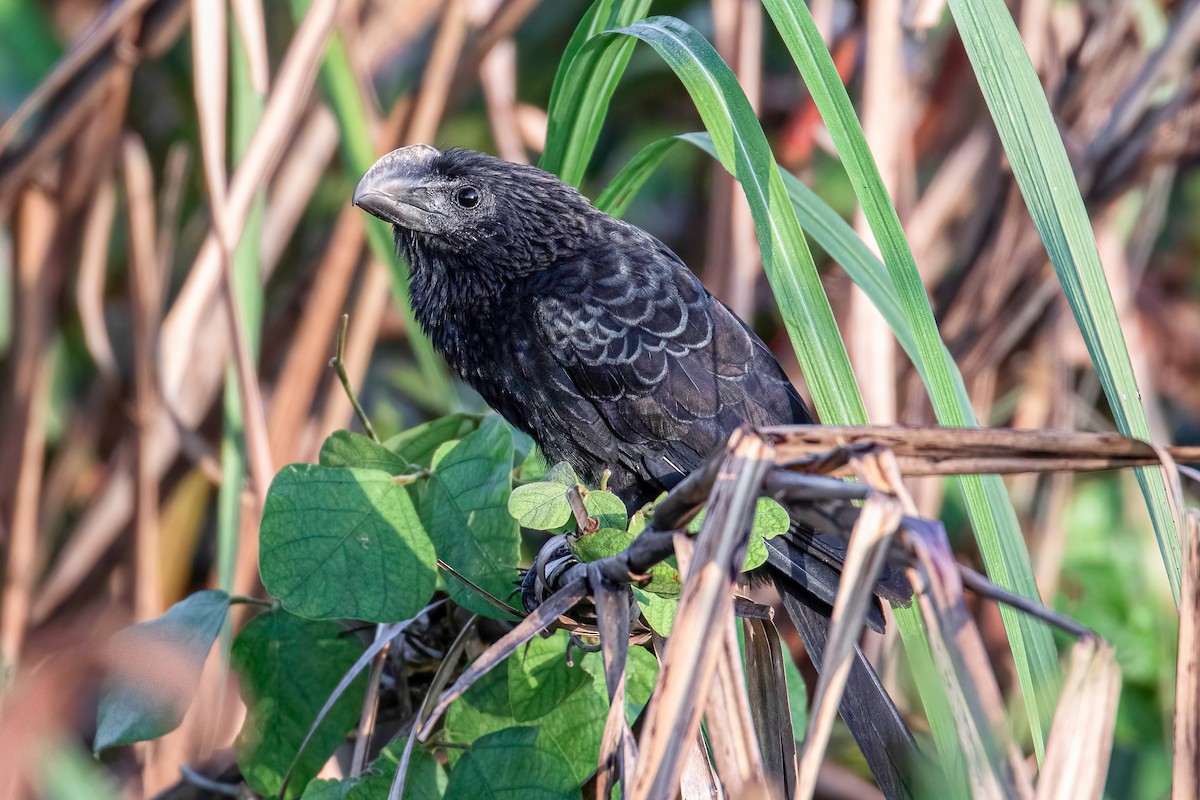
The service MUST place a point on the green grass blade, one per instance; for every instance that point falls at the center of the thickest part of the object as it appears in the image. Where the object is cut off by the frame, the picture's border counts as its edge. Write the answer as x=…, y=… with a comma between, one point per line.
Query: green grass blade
x=992, y=516
x=247, y=108
x=1039, y=162
x=341, y=91
x=787, y=261
x=583, y=87
x=819, y=221
x=615, y=198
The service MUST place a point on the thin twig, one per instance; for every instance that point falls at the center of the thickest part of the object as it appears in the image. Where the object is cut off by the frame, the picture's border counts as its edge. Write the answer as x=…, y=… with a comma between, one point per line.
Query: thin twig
x=370, y=707
x=479, y=590
x=583, y=521
x=983, y=587
x=338, y=362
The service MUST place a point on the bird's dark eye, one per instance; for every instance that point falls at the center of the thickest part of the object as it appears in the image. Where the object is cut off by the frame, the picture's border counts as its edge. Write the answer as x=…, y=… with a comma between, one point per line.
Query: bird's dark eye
x=467, y=197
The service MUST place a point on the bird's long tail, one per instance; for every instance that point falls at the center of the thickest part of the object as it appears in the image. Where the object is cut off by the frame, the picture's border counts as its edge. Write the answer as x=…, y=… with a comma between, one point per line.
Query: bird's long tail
x=866, y=707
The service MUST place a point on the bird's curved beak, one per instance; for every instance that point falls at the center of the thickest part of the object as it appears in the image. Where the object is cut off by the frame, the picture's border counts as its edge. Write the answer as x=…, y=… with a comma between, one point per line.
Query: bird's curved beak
x=393, y=189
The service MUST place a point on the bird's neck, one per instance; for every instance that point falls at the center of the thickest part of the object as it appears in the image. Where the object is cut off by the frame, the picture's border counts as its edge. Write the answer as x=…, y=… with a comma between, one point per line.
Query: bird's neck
x=458, y=307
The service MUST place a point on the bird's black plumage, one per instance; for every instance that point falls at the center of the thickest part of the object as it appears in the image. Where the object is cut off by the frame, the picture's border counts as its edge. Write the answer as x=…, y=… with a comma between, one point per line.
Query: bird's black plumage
x=580, y=329
x=586, y=332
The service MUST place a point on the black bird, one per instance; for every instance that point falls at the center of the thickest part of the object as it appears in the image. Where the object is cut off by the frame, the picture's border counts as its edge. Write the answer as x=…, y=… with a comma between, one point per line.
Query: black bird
x=595, y=339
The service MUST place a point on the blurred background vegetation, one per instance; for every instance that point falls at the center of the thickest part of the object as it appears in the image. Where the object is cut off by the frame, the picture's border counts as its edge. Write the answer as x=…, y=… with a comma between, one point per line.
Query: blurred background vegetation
x=124, y=447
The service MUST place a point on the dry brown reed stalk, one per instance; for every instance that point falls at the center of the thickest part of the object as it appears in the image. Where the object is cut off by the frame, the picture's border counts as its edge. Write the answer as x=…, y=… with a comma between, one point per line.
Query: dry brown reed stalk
x=89, y=287
x=296, y=178
x=618, y=747
x=699, y=779
x=498, y=78
x=210, y=68
x=865, y=555
x=170, y=201
x=733, y=265
x=1186, y=763
x=290, y=431
x=732, y=744
x=194, y=331
x=1035, y=30
x=933, y=450
x=253, y=33
x=888, y=131
x=370, y=708
x=99, y=35
x=506, y=16
x=86, y=161
x=293, y=84
x=705, y=604
x=25, y=450
x=729, y=720
x=79, y=88
x=147, y=293
x=838, y=782
x=302, y=370
x=945, y=202
x=1081, y=736
x=147, y=284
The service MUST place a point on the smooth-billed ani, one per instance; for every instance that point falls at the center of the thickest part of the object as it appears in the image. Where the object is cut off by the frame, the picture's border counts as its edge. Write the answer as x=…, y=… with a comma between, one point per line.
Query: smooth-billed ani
x=595, y=339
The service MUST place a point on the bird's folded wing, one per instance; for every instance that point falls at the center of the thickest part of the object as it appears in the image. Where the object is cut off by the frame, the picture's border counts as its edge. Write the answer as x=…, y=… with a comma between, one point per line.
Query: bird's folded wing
x=669, y=368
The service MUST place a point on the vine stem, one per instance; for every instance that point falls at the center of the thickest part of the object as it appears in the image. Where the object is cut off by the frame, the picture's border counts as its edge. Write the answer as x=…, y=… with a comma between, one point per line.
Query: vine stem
x=370, y=707
x=339, y=366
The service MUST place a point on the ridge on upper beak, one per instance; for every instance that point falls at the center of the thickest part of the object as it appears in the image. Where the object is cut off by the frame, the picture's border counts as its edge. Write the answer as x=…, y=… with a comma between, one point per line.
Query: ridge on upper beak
x=391, y=188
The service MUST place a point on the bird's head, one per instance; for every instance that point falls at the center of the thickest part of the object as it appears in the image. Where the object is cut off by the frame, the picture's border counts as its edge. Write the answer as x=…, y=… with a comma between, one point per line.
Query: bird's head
x=472, y=210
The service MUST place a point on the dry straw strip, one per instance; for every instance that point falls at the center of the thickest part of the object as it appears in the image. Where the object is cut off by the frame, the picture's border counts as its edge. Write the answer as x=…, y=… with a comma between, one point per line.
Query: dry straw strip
x=1186, y=772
